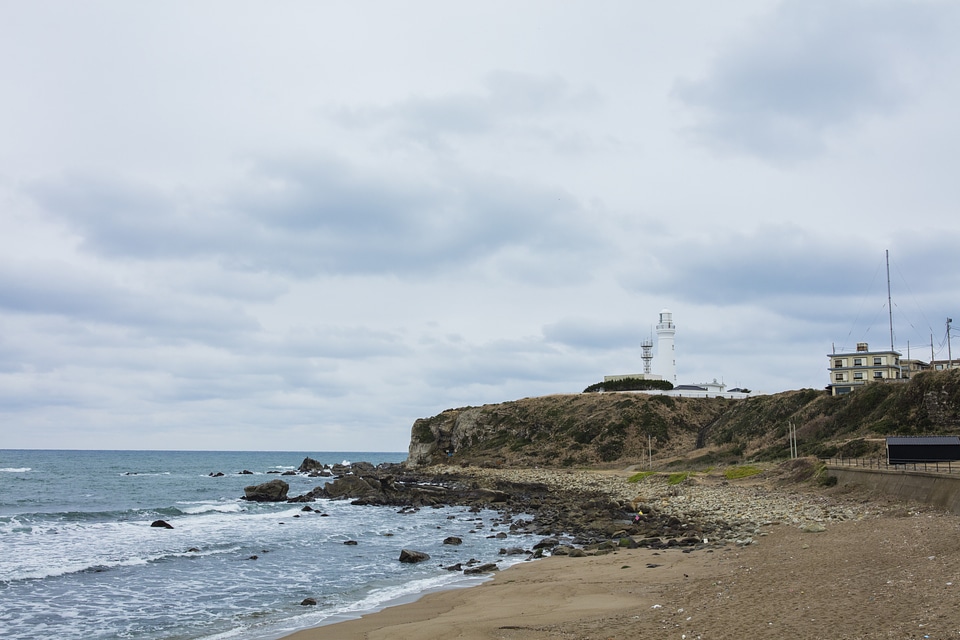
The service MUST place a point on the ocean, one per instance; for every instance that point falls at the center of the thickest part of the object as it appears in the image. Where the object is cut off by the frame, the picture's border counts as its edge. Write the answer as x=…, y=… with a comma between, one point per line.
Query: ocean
x=79, y=559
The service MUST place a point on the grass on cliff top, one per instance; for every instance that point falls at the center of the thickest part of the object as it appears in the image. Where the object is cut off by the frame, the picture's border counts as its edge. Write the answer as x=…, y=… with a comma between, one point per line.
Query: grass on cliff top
x=743, y=471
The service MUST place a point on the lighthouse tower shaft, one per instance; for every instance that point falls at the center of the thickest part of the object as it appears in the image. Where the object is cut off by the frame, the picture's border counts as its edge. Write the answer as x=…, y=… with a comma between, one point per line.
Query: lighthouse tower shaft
x=666, y=359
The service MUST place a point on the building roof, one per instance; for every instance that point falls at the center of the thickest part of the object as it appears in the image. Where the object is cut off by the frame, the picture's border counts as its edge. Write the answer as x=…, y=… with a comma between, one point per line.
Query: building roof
x=864, y=353
x=923, y=440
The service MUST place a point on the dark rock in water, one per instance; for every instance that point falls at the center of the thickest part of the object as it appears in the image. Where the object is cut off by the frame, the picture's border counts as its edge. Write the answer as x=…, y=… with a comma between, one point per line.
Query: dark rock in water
x=363, y=468
x=289, y=473
x=412, y=557
x=253, y=558
x=310, y=496
x=246, y=472
x=273, y=491
x=547, y=543
x=273, y=472
x=452, y=540
x=489, y=567
x=161, y=524
x=193, y=550
x=512, y=551
x=307, y=508
x=352, y=487
x=310, y=465
x=309, y=602
x=454, y=567
x=351, y=543
x=218, y=474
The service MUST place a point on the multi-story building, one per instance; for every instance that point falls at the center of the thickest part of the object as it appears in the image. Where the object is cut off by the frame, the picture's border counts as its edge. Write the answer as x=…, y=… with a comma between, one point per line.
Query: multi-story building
x=910, y=367
x=940, y=365
x=850, y=370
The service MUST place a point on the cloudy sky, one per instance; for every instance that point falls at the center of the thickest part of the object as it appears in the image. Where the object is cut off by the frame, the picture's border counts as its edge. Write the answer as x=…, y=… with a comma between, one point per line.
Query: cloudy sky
x=302, y=225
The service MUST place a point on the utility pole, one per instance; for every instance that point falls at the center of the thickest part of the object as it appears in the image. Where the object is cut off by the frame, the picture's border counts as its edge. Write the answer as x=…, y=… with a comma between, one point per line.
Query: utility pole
x=949, y=350
x=792, y=431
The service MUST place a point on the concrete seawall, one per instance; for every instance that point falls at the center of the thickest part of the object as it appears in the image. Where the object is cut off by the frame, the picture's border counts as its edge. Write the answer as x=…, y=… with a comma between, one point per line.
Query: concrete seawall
x=936, y=489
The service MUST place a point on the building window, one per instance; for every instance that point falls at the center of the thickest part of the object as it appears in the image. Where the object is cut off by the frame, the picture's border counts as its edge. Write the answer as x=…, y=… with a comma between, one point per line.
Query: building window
x=858, y=375
x=837, y=363
x=877, y=361
x=858, y=362
x=878, y=374
x=840, y=377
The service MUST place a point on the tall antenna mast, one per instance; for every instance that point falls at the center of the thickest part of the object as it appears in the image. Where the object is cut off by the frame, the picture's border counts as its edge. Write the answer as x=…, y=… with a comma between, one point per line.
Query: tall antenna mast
x=647, y=346
x=889, y=300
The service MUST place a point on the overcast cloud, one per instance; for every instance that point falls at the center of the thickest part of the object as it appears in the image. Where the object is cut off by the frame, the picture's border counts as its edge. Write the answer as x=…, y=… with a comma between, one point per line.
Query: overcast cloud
x=301, y=225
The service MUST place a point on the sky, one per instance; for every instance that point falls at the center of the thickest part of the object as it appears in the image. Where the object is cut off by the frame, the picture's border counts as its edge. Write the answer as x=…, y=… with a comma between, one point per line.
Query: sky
x=300, y=225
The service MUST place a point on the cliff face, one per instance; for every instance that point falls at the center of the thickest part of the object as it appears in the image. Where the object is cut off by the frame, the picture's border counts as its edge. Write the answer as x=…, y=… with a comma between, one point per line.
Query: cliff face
x=622, y=428
x=563, y=430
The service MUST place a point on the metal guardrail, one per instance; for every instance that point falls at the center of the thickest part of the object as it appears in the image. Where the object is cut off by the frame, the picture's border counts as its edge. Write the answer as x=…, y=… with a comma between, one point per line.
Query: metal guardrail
x=946, y=466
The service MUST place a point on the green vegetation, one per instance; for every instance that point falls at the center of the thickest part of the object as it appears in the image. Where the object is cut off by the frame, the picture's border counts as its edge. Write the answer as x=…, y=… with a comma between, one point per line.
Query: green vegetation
x=822, y=476
x=745, y=471
x=422, y=432
x=643, y=475
x=677, y=478
x=630, y=384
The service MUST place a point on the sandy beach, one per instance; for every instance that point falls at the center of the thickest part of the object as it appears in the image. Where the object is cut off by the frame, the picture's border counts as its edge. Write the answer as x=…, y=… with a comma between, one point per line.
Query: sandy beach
x=866, y=568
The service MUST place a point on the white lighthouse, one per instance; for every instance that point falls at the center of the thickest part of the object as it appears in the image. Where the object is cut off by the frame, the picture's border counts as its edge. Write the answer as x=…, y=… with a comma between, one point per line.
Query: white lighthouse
x=666, y=360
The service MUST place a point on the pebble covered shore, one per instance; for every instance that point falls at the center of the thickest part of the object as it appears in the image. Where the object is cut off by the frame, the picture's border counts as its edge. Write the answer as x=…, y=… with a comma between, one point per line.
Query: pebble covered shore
x=734, y=511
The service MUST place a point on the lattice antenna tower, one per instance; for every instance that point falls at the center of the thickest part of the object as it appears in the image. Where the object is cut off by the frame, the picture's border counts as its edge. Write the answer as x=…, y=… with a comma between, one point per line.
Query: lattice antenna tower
x=647, y=346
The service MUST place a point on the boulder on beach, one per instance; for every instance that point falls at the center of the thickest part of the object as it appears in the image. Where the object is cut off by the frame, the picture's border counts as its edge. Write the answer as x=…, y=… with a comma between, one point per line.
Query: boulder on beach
x=489, y=567
x=273, y=491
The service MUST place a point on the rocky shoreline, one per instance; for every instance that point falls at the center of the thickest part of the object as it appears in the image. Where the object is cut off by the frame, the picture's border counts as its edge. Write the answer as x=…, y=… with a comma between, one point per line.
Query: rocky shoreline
x=582, y=511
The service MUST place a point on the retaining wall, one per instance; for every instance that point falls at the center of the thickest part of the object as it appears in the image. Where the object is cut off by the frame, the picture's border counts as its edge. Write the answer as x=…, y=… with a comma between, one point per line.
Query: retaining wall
x=936, y=489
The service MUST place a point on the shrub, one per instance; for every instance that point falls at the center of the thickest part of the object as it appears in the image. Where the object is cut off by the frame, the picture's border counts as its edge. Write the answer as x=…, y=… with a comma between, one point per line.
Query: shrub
x=423, y=434
x=637, y=477
x=629, y=384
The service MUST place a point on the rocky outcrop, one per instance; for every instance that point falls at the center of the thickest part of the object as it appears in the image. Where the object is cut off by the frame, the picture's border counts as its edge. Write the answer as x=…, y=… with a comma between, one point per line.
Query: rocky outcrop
x=624, y=428
x=560, y=430
x=273, y=491
x=309, y=465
